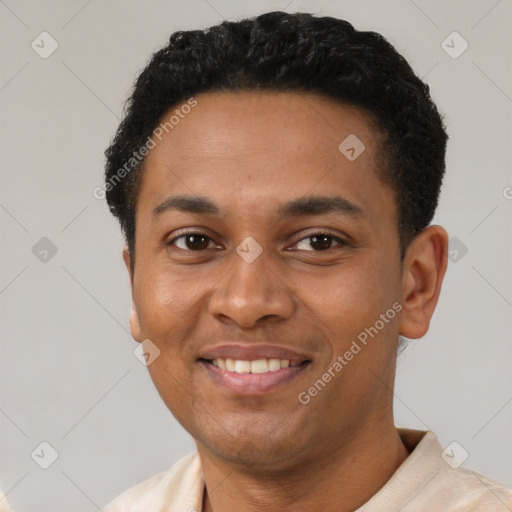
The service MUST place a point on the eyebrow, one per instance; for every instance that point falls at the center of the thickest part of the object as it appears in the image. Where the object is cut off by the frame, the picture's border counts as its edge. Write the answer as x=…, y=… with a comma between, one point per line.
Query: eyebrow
x=304, y=206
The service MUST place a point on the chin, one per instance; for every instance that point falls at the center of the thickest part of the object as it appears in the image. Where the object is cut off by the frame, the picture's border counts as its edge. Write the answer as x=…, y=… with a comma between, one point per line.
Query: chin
x=256, y=451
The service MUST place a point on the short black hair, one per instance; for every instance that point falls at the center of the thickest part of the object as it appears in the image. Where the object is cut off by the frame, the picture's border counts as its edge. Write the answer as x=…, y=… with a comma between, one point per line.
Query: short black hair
x=285, y=52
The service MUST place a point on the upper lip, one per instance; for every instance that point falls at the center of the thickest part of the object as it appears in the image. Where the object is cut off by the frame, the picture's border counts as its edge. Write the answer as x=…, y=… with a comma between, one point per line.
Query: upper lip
x=250, y=351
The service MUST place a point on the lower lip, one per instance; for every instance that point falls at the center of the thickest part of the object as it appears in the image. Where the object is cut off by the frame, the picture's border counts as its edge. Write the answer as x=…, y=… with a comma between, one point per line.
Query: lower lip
x=253, y=383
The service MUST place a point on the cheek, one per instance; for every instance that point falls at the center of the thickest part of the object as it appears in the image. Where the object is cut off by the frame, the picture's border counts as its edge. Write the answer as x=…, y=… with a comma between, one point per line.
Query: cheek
x=165, y=299
x=173, y=384
x=350, y=298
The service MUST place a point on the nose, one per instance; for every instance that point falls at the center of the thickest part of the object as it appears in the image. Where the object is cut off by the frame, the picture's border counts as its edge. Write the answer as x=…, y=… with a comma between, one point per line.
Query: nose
x=250, y=293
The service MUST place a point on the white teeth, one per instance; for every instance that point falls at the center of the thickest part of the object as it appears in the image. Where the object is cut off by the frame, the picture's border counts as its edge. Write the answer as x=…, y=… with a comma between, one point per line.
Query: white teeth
x=274, y=364
x=242, y=366
x=257, y=366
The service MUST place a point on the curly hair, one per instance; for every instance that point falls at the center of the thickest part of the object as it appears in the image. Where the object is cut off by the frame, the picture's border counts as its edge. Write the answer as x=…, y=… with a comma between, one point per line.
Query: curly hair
x=297, y=52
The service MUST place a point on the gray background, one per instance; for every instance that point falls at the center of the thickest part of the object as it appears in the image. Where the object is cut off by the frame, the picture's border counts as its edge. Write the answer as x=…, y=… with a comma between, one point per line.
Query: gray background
x=67, y=370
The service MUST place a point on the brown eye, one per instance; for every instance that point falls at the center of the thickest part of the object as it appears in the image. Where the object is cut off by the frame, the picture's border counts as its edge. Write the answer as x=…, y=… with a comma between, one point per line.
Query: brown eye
x=192, y=242
x=319, y=242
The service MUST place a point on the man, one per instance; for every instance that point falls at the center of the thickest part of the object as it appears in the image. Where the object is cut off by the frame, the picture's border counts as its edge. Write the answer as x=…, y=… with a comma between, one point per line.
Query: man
x=275, y=180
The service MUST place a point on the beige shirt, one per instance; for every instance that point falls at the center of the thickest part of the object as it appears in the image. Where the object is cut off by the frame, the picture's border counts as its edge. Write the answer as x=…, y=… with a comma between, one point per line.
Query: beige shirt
x=425, y=482
x=4, y=504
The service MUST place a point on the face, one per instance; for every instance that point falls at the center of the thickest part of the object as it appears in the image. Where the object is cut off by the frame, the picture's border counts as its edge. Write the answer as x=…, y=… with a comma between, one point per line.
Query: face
x=262, y=248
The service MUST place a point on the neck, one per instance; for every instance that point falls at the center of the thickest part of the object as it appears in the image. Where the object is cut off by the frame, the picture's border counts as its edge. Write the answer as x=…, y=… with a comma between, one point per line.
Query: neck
x=341, y=481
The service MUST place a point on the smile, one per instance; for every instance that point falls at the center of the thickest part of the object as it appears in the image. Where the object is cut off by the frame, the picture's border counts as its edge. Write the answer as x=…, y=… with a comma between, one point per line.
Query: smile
x=257, y=366
x=252, y=378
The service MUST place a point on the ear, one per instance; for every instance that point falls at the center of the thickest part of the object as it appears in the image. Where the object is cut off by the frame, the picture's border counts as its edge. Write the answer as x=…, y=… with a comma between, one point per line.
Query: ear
x=424, y=268
x=134, y=316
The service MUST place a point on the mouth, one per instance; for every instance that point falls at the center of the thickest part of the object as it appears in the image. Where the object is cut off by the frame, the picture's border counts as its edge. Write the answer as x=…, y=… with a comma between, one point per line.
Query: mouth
x=258, y=366
x=257, y=377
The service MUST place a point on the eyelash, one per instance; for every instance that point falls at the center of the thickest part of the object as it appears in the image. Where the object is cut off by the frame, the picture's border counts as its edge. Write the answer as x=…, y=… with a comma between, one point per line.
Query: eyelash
x=340, y=242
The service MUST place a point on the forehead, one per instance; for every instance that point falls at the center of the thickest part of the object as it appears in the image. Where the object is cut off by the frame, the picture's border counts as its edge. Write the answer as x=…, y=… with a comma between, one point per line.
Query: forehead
x=247, y=120
x=255, y=146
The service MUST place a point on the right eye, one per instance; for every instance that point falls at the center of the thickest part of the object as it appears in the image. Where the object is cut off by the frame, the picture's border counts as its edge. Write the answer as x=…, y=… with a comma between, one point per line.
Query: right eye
x=192, y=242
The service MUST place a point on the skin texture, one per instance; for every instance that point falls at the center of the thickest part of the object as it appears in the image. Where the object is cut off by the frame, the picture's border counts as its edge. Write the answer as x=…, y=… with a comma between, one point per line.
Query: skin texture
x=249, y=153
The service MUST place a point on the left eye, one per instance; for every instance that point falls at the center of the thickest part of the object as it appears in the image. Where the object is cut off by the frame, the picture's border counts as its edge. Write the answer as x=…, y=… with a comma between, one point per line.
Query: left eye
x=319, y=242
x=192, y=242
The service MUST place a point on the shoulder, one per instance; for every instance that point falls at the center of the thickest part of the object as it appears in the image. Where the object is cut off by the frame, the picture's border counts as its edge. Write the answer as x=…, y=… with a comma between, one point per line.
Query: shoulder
x=457, y=488
x=4, y=504
x=178, y=488
x=465, y=490
x=430, y=480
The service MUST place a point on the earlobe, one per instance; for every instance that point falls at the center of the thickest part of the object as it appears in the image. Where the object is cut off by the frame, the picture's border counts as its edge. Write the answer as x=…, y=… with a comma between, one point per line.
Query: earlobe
x=425, y=265
x=134, y=317
x=135, y=324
